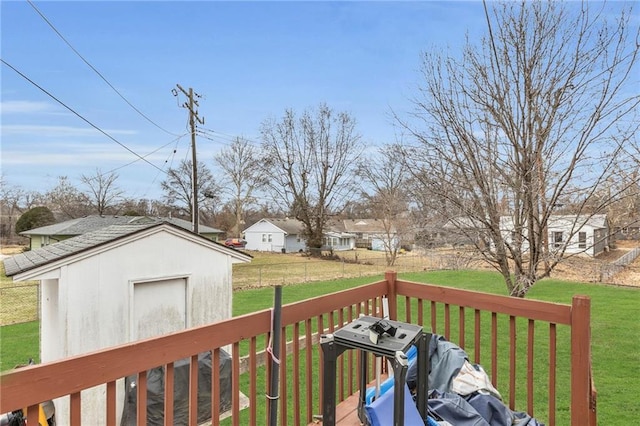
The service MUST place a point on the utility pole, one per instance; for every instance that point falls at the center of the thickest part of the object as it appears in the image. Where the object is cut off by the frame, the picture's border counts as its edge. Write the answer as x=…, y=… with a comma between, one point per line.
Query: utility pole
x=193, y=117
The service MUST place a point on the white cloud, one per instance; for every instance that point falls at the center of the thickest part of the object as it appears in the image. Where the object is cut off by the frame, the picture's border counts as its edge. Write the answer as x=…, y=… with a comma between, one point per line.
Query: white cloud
x=14, y=107
x=50, y=156
x=57, y=131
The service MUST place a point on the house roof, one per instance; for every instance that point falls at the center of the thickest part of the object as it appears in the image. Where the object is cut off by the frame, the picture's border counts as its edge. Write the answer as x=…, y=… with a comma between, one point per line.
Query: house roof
x=44, y=255
x=597, y=221
x=365, y=225
x=91, y=223
x=289, y=226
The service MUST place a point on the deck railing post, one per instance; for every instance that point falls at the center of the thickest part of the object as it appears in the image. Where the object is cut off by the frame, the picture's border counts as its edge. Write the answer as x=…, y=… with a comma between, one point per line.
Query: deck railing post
x=390, y=277
x=580, y=360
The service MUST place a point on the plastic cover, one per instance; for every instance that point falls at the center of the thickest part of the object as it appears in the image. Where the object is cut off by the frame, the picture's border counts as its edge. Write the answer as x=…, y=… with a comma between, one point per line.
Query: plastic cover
x=155, y=392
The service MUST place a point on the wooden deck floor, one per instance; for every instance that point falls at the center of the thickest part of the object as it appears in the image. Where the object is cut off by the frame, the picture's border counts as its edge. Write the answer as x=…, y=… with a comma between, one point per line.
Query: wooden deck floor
x=346, y=413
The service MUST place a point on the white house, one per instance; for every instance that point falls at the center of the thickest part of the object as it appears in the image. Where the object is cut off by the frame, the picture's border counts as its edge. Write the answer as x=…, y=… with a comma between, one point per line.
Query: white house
x=338, y=241
x=372, y=233
x=574, y=234
x=277, y=235
x=285, y=235
x=120, y=284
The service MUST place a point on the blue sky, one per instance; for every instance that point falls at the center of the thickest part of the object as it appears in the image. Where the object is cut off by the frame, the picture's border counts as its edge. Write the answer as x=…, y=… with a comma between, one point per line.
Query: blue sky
x=249, y=60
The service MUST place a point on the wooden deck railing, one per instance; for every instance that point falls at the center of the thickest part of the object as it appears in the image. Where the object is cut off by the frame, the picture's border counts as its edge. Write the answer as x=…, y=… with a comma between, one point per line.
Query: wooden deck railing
x=565, y=342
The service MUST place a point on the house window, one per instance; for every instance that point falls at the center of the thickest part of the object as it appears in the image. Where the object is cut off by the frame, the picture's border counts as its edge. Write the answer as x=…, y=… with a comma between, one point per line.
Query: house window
x=269, y=237
x=557, y=239
x=582, y=239
x=264, y=238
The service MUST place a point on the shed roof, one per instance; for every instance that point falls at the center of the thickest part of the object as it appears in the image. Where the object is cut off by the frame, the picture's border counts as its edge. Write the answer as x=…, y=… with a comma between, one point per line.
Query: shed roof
x=91, y=223
x=41, y=256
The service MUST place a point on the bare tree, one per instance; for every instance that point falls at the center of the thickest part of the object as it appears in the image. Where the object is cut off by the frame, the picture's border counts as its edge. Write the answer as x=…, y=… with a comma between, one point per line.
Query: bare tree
x=543, y=105
x=67, y=200
x=10, y=199
x=625, y=207
x=178, y=191
x=309, y=160
x=384, y=180
x=242, y=176
x=103, y=192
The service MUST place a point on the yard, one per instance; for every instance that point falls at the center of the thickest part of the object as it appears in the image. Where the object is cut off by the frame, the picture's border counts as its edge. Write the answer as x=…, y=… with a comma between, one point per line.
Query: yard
x=615, y=310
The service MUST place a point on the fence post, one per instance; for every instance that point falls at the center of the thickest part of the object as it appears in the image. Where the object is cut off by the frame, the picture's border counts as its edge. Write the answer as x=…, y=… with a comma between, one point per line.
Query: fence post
x=580, y=360
x=390, y=277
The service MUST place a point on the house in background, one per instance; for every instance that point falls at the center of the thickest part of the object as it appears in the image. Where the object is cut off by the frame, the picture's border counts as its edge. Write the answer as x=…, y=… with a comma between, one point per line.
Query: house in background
x=276, y=235
x=371, y=233
x=123, y=283
x=576, y=234
x=337, y=240
x=583, y=234
x=286, y=236
x=45, y=235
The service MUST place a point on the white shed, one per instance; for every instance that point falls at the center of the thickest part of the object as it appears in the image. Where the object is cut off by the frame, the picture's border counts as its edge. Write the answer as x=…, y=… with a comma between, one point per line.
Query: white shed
x=124, y=283
x=277, y=235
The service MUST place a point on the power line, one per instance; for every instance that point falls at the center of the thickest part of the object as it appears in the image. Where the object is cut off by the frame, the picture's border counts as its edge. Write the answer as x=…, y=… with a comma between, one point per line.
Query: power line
x=227, y=136
x=171, y=156
x=98, y=72
x=176, y=140
x=79, y=116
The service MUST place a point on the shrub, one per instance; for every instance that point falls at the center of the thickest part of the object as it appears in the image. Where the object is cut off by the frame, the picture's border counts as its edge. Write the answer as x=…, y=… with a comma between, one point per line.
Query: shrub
x=34, y=218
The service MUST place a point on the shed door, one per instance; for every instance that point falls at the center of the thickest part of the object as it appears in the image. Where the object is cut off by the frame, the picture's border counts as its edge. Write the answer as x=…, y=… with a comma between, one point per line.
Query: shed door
x=159, y=307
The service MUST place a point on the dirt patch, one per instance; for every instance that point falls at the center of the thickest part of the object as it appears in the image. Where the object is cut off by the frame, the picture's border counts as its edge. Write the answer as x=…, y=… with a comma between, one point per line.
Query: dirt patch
x=587, y=269
x=9, y=250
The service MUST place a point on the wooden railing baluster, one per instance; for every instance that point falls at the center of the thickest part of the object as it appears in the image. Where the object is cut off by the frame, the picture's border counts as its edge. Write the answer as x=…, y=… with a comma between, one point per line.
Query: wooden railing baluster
x=215, y=387
x=512, y=362
x=461, y=325
x=308, y=367
x=193, y=390
x=297, y=409
x=283, y=399
x=141, y=398
x=111, y=403
x=33, y=413
x=477, y=336
x=494, y=349
x=447, y=322
x=552, y=374
x=235, y=384
x=168, y=394
x=320, y=325
x=530, y=348
x=433, y=317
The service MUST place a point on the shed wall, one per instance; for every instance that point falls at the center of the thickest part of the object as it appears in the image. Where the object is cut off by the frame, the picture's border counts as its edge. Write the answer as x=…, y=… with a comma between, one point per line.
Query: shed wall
x=90, y=307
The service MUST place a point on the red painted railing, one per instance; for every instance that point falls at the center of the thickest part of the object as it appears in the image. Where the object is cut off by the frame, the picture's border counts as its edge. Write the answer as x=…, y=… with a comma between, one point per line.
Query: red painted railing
x=301, y=369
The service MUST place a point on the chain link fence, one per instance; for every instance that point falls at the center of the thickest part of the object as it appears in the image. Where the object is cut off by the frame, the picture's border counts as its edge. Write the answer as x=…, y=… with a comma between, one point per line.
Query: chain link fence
x=609, y=270
x=311, y=269
x=19, y=304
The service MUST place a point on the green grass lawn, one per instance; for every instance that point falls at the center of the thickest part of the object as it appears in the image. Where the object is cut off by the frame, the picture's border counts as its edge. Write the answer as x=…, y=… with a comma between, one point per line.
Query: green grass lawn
x=18, y=343
x=615, y=330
